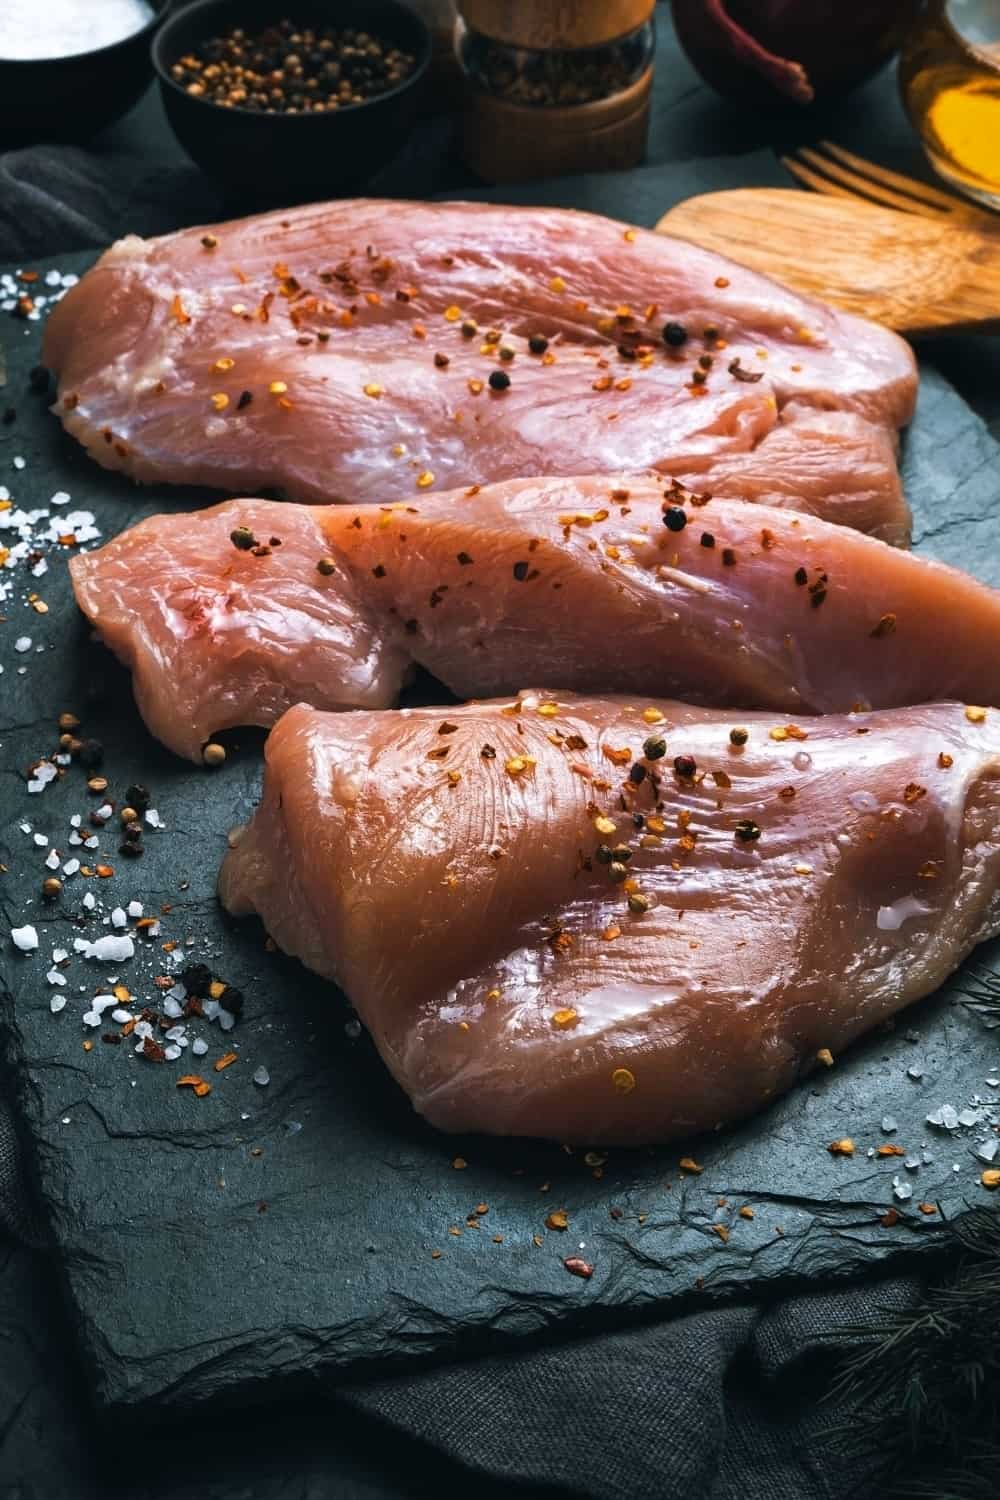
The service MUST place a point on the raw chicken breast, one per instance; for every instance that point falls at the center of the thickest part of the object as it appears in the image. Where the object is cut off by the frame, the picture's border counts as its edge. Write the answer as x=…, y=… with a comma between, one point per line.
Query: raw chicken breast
x=574, y=581
x=473, y=880
x=343, y=351
x=216, y=637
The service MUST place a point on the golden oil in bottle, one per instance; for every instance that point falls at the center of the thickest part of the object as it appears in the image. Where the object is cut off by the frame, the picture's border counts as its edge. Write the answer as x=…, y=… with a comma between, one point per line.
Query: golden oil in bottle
x=949, y=75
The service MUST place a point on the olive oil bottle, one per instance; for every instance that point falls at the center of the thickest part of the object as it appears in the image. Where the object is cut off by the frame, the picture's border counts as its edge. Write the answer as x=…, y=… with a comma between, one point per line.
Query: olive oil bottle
x=949, y=75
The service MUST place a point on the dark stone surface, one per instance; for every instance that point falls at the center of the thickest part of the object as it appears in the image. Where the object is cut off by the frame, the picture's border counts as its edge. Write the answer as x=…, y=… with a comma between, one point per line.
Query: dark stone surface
x=196, y=1269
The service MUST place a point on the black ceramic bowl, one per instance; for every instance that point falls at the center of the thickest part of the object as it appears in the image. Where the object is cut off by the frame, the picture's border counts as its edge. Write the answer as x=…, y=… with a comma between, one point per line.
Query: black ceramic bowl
x=70, y=98
x=287, y=158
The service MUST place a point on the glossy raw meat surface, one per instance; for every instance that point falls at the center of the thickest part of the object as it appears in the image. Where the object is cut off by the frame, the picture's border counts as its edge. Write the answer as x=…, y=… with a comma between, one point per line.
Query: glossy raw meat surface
x=444, y=869
x=321, y=352
x=574, y=581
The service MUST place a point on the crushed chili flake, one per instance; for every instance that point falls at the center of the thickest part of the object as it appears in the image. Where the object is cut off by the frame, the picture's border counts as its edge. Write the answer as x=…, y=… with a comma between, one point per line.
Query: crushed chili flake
x=889, y=1219
x=459, y=1163
x=177, y=310
x=914, y=791
x=199, y=1086
x=886, y=626
x=825, y=1056
x=843, y=1147
x=564, y=1019
x=226, y=1061
x=889, y=1150
x=578, y=1267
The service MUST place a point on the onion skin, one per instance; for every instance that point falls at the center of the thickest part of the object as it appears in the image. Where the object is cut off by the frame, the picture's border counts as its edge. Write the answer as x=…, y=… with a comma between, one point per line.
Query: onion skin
x=766, y=52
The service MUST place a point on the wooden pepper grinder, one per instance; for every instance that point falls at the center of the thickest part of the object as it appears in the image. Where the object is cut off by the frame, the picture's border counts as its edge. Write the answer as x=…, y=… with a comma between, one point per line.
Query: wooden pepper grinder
x=554, y=86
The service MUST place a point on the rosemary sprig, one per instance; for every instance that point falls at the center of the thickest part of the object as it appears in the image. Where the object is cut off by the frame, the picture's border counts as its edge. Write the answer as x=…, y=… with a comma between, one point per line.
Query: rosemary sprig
x=980, y=989
x=923, y=1388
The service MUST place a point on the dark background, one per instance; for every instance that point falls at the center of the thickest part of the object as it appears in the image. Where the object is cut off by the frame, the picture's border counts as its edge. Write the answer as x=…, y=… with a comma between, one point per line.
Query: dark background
x=719, y=1404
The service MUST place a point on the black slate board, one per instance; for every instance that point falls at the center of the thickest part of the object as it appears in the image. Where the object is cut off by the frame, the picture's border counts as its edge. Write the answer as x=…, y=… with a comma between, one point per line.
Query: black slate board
x=210, y=1246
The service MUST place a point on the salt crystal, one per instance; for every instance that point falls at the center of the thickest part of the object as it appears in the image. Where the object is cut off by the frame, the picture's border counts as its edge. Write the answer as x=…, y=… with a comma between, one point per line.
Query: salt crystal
x=104, y=811
x=121, y=1015
x=969, y=1117
x=41, y=840
x=178, y=992
x=118, y=917
x=945, y=1116
x=199, y=1047
x=25, y=938
x=25, y=827
x=901, y=1190
x=915, y=1073
x=889, y=1124
x=54, y=977
x=244, y=1114
x=92, y=1018
x=988, y=1151
x=926, y=1157
x=294, y=1126
x=172, y=1008
x=90, y=901
x=59, y=954
x=74, y=838
x=56, y=1003
x=911, y=1163
x=59, y=498
x=226, y=1021
x=262, y=1077
x=93, y=842
x=109, y=949
x=353, y=1029
x=993, y=1083
x=19, y=462
x=211, y=1009
x=71, y=866
x=135, y=908
x=52, y=278
x=52, y=860
x=153, y=818
x=175, y=1034
x=23, y=643
x=144, y=1030
x=172, y=1053
x=76, y=820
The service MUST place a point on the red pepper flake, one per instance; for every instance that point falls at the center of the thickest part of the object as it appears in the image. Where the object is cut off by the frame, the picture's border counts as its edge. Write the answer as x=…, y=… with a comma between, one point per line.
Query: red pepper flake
x=177, y=310
x=578, y=1267
x=152, y=1050
x=945, y=760
x=886, y=626
x=225, y=1061
x=721, y=281
x=198, y=1085
x=891, y=1150
x=890, y=1219
x=927, y=1208
x=913, y=792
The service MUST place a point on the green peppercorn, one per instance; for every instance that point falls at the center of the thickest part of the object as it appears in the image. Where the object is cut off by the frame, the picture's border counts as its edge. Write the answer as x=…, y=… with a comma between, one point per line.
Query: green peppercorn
x=603, y=854
x=638, y=903
x=618, y=872
x=739, y=736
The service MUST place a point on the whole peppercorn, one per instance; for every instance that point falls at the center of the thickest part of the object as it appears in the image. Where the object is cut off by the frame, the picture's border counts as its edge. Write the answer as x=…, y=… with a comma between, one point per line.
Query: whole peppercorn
x=137, y=796
x=51, y=888
x=242, y=538
x=196, y=979
x=637, y=773
x=622, y=853
x=131, y=850
x=231, y=999
x=133, y=832
x=655, y=748
x=675, y=518
x=68, y=722
x=603, y=854
x=326, y=566
x=747, y=830
x=674, y=335
x=685, y=766
x=538, y=343
x=499, y=380
x=618, y=871
x=213, y=754
x=739, y=736
x=128, y=815
x=97, y=784
x=638, y=903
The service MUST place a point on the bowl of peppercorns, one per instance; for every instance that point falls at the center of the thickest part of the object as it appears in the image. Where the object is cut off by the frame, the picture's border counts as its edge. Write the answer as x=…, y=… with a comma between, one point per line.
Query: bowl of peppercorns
x=281, y=107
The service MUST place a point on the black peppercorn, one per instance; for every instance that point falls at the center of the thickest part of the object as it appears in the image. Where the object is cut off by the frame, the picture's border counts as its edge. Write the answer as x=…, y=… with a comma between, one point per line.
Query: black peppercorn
x=675, y=518
x=655, y=748
x=137, y=796
x=637, y=774
x=499, y=380
x=196, y=979
x=685, y=765
x=538, y=343
x=674, y=335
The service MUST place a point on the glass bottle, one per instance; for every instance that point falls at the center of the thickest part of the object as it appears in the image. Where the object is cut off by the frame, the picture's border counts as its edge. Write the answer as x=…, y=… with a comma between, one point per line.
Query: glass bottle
x=949, y=76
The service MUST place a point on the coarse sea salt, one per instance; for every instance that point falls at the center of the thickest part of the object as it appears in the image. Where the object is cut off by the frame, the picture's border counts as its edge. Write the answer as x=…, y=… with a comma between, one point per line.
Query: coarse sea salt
x=135, y=908
x=25, y=938
x=108, y=949
x=55, y=977
x=57, y=1003
x=199, y=1047
x=118, y=917
x=89, y=900
x=52, y=859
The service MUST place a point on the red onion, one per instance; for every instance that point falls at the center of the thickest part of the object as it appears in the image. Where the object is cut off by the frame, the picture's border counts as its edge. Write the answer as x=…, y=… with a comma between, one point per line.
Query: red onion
x=754, y=50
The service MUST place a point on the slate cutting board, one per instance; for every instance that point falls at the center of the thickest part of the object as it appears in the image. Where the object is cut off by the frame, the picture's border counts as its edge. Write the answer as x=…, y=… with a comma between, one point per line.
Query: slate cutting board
x=211, y=1246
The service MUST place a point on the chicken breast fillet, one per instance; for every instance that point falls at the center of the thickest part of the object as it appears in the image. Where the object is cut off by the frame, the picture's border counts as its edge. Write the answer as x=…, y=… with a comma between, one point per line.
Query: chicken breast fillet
x=611, y=920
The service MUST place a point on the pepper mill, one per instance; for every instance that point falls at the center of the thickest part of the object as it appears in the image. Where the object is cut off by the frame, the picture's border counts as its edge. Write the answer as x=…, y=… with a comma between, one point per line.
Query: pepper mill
x=554, y=86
